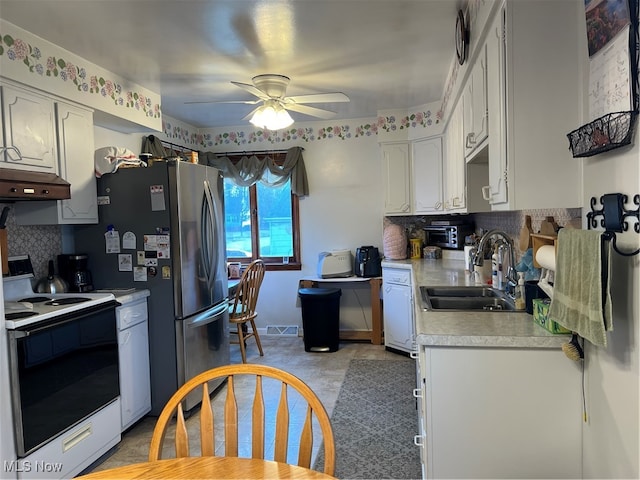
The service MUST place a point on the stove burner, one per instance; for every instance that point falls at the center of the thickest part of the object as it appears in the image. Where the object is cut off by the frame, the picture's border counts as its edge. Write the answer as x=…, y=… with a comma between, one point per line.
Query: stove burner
x=19, y=315
x=67, y=301
x=35, y=299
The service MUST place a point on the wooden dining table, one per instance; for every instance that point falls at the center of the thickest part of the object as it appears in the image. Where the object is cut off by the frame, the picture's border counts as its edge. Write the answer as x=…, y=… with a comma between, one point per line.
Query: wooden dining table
x=206, y=467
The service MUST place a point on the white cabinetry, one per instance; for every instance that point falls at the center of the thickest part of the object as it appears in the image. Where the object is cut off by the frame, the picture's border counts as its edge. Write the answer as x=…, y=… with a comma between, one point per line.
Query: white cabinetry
x=534, y=99
x=412, y=173
x=426, y=175
x=76, y=166
x=29, y=131
x=395, y=164
x=455, y=191
x=498, y=413
x=475, y=105
x=397, y=307
x=133, y=345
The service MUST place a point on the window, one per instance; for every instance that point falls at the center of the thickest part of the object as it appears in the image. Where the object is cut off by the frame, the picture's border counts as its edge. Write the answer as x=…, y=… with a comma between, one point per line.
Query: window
x=262, y=222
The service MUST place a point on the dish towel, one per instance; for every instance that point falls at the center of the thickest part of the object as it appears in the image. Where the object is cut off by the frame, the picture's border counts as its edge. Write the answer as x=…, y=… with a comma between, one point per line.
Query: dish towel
x=581, y=299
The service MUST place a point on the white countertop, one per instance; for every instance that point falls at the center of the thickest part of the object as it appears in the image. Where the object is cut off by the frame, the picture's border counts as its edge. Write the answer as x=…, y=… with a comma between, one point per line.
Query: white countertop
x=129, y=295
x=468, y=329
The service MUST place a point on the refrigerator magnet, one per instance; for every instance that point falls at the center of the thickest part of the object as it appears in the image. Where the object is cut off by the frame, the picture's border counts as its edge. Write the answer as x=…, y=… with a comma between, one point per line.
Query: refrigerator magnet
x=112, y=241
x=140, y=274
x=157, y=198
x=129, y=241
x=166, y=272
x=125, y=262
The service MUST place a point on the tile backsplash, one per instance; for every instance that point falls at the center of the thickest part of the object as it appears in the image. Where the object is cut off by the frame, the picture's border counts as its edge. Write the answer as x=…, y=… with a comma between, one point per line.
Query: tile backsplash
x=41, y=242
x=510, y=222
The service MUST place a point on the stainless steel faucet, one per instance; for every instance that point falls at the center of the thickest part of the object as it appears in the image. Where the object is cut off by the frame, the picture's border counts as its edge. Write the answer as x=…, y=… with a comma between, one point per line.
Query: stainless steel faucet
x=512, y=276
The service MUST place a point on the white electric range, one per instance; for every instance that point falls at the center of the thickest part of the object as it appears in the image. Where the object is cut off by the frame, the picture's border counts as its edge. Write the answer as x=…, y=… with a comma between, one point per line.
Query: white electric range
x=63, y=369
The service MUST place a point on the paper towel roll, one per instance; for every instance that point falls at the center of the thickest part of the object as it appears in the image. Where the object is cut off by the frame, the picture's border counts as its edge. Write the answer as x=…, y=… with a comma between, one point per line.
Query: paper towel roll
x=546, y=257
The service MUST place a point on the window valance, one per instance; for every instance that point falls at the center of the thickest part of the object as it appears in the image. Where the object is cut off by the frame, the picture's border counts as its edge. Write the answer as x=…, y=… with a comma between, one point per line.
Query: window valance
x=251, y=169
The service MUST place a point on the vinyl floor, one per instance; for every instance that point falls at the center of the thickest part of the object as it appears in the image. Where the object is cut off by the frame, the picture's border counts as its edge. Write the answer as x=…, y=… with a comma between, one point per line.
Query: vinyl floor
x=323, y=372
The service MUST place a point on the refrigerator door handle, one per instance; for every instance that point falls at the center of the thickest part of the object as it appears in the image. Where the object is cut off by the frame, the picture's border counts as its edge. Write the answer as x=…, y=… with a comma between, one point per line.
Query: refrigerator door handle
x=208, y=316
x=211, y=254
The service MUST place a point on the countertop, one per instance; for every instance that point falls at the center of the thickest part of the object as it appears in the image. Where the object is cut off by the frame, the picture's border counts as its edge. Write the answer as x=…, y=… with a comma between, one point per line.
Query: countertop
x=127, y=295
x=468, y=329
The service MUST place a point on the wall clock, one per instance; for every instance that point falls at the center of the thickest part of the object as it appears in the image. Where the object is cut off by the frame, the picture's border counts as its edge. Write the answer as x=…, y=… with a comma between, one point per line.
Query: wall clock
x=462, y=38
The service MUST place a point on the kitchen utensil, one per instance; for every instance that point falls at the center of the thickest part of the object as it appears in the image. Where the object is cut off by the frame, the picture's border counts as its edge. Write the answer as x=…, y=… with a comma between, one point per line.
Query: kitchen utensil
x=548, y=226
x=52, y=283
x=525, y=234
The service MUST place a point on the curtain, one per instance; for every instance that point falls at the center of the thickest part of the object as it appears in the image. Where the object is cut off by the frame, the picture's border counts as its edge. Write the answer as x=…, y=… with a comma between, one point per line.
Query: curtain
x=250, y=170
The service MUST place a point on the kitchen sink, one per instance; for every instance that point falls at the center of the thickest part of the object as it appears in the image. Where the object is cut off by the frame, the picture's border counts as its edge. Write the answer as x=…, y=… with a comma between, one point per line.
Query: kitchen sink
x=473, y=298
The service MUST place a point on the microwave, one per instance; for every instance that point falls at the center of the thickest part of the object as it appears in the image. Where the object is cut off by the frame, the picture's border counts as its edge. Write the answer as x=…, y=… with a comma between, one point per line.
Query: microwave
x=447, y=236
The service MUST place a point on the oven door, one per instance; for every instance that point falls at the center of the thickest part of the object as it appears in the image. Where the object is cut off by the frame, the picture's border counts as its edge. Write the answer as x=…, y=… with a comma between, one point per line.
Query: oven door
x=62, y=370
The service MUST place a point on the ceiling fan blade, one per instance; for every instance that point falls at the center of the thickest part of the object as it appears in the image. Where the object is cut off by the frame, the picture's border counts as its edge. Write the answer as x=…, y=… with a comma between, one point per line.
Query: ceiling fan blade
x=252, y=90
x=250, y=114
x=313, y=111
x=246, y=102
x=336, y=97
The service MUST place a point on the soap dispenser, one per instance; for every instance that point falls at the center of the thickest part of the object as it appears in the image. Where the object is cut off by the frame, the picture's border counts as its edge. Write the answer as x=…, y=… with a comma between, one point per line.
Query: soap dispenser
x=520, y=300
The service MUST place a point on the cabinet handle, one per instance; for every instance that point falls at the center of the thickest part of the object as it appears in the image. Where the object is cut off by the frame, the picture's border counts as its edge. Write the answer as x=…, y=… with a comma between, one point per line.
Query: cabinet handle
x=413, y=354
x=405, y=208
x=438, y=205
x=417, y=441
x=470, y=142
x=486, y=192
x=455, y=201
x=417, y=392
x=9, y=149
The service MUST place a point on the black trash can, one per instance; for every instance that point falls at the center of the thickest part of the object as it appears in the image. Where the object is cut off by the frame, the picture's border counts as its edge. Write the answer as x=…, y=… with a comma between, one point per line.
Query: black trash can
x=320, y=318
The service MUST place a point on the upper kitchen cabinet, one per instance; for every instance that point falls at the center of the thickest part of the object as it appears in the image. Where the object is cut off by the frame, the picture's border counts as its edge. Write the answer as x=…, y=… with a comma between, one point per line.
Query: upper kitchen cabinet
x=412, y=175
x=426, y=176
x=475, y=106
x=29, y=131
x=534, y=96
x=75, y=151
x=395, y=164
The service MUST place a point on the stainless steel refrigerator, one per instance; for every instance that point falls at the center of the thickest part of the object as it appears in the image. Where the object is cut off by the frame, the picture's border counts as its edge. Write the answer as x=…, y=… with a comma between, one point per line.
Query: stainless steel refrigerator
x=162, y=228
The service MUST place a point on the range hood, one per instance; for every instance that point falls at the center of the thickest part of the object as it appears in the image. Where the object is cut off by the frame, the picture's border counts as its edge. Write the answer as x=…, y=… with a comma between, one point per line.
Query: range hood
x=27, y=185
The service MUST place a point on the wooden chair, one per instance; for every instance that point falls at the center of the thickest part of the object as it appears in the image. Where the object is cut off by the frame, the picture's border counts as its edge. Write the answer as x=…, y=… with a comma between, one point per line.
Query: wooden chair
x=243, y=309
x=236, y=379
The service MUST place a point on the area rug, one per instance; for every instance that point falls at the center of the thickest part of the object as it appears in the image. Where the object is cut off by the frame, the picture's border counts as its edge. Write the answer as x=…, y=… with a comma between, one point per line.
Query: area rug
x=375, y=420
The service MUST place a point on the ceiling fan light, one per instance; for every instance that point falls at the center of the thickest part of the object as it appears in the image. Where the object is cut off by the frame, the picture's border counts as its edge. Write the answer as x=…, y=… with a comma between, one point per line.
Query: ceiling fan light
x=271, y=116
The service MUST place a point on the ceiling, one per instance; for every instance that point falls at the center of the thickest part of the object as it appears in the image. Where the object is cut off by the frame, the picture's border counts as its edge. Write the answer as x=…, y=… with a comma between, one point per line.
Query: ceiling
x=383, y=54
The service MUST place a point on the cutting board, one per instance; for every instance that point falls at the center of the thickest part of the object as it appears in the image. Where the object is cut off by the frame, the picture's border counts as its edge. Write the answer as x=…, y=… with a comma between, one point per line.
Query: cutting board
x=524, y=241
x=548, y=226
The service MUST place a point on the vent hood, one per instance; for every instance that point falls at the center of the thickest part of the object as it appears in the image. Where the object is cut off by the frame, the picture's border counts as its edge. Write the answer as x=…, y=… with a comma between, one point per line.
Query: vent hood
x=27, y=185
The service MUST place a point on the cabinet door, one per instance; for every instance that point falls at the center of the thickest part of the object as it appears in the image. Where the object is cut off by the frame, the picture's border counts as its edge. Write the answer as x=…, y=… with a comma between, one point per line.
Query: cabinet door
x=76, y=149
x=496, y=191
x=398, y=316
x=135, y=384
x=455, y=178
x=29, y=127
x=475, y=105
x=427, y=175
x=395, y=164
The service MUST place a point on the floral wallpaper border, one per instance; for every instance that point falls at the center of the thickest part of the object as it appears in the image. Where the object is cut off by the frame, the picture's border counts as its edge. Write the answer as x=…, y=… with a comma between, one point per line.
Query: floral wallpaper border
x=391, y=123
x=19, y=50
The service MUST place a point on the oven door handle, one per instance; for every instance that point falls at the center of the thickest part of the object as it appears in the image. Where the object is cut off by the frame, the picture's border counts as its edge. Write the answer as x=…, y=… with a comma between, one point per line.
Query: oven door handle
x=62, y=319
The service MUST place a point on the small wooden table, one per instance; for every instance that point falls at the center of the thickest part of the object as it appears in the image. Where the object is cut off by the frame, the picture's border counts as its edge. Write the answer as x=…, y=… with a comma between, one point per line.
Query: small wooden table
x=375, y=335
x=207, y=467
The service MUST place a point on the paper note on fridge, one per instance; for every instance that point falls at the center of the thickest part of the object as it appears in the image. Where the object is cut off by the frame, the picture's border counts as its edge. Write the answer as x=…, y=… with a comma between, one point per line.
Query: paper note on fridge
x=112, y=241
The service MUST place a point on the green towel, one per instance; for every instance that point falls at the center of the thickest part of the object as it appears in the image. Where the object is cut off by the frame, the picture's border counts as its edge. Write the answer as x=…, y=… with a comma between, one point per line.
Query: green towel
x=581, y=298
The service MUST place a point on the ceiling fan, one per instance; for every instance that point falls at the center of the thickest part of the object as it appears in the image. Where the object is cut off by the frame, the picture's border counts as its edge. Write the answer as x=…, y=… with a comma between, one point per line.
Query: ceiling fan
x=271, y=92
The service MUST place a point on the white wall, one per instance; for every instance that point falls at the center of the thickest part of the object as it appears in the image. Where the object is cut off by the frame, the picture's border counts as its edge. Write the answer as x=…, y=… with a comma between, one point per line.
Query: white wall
x=342, y=211
x=611, y=435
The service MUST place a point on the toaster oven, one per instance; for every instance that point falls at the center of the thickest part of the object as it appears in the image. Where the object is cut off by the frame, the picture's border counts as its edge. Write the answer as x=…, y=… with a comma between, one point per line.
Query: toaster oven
x=447, y=236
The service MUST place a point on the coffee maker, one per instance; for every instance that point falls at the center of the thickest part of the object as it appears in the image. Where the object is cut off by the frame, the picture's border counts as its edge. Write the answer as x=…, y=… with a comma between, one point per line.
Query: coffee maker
x=73, y=268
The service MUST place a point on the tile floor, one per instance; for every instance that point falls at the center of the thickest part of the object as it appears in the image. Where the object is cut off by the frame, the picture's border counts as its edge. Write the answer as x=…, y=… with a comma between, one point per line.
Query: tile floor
x=323, y=372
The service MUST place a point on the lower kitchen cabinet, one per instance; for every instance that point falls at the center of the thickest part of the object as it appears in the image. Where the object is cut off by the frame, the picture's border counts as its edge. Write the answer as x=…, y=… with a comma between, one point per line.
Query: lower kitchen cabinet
x=398, y=309
x=133, y=344
x=498, y=413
